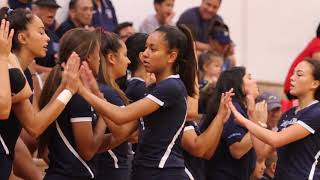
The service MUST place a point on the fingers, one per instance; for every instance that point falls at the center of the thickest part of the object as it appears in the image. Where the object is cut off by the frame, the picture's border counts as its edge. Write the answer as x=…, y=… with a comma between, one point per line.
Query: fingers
x=2, y=26
x=6, y=29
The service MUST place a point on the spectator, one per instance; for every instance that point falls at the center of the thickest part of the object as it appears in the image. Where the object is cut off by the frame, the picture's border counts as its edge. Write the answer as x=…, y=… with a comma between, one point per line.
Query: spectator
x=163, y=16
x=46, y=10
x=312, y=50
x=271, y=164
x=220, y=41
x=104, y=15
x=124, y=30
x=210, y=65
x=80, y=15
x=259, y=169
x=274, y=109
x=199, y=20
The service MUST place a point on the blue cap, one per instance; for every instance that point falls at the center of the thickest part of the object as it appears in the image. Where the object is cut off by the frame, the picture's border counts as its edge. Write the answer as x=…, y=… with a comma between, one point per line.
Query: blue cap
x=221, y=36
x=272, y=100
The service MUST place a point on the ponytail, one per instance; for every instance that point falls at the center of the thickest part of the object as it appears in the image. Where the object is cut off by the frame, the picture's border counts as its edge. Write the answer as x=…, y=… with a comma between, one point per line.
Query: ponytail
x=180, y=38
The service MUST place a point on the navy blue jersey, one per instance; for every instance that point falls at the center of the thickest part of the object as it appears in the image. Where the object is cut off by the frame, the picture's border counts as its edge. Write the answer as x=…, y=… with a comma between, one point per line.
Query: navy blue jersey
x=108, y=162
x=10, y=130
x=159, y=141
x=299, y=159
x=136, y=89
x=222, y=165
x=63, y=155
x=195, y=167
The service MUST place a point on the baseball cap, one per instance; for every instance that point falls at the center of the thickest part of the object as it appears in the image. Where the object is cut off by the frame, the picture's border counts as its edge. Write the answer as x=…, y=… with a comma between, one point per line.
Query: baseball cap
x=48, y=3
x=222, y=37
x=272, y=100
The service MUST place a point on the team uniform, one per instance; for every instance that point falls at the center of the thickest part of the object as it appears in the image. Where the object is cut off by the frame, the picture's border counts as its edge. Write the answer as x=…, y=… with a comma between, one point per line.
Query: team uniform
x=10, y=129
x=159, y=155
x=112, y=164
x=65, y=162
x=299, y=159
x=222, y=165
x=136, y=89
x=194, y=166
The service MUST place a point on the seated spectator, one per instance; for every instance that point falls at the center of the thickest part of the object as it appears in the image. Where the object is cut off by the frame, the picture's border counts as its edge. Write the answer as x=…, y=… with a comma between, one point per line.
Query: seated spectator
x=274, y=109
x=259, y=169
x=125, y=30
x=312, y=50
x=210, y=64
x=80, y=15
x=271, y=164
x=46, y=10
x=199, y=20
x=220, y=41
x=163, y=16
x=104, y=15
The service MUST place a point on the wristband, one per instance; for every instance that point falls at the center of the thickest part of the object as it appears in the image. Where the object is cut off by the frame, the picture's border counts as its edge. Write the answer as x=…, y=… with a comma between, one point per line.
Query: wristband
x=65, y=96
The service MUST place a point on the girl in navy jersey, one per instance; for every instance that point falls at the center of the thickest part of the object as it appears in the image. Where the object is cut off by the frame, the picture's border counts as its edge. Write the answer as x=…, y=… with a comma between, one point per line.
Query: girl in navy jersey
x=72, y=141
x=298, y=138
x=113, y=163
x=170, y=56
x=235, y=156
x=136, y=87
x=29, y=41
x=5, y=48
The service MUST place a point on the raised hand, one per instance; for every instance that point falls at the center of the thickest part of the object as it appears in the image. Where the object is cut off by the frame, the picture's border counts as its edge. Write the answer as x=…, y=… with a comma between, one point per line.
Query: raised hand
x=88, y=80
x=5, y=40
x=224, y=110
x=260, y=114
x=70, y=75
x=240, y=119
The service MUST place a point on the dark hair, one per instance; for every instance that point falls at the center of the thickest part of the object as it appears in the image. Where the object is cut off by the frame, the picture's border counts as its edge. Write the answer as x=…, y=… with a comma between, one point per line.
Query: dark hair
x=110, y=43
x=72, y=4
x=228, y=79
x=70, y=42
x=158, y=1
x=19, y=20
x=122, y=26
x=318, y=31
x=135, y=44
x=315, y=73
x=217, y=26
x=180, y=38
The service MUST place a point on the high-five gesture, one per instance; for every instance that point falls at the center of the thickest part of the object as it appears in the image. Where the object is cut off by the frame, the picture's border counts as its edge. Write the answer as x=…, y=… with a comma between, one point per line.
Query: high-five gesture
x=224, y=110
x=5, y=40
x=70, y=75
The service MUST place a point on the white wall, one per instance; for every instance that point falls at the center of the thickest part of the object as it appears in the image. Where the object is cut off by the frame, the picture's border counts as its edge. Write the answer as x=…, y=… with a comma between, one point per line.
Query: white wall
x=268, y=33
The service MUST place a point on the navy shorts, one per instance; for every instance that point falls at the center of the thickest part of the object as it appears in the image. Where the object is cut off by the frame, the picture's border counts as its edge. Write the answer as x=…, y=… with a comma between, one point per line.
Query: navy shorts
x=5, y=166
x=52, y=176
x=147, y=173
x=113, y=174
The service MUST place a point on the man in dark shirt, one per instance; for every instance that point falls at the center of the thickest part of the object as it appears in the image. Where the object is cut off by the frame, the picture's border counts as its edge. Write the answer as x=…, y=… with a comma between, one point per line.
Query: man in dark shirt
x=80, y=15
x=199, y=20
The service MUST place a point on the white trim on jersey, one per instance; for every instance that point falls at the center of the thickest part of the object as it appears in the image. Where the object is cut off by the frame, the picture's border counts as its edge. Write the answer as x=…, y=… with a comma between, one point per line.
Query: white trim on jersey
x=306, y=126
x=4, y=145
x=114, y=157
x=156, y=100
x=188, y=173
x=72, y=150
x=187, y=128
x=170, y=146
x=81, y=119
x=137, y=78
x=313, y=168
